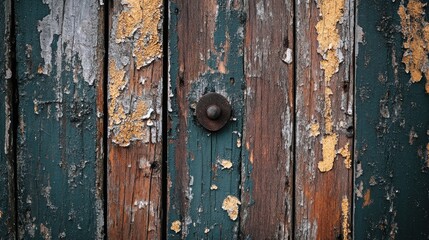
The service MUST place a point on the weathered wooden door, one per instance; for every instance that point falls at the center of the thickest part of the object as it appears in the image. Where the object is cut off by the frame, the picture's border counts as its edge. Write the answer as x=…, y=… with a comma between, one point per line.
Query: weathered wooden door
x=105, y=106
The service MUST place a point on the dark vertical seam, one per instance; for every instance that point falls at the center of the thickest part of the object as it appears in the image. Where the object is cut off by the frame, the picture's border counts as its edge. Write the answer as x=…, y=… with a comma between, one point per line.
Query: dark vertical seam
x=105, y=112
x=14, y=104
x=165, y=86
x=295, y=58
x=353, y=88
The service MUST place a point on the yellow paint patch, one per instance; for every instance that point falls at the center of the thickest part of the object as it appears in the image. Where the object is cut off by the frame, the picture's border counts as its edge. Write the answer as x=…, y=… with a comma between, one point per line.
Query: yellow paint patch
x=176, y=226
x=140, y=21
x=328, y=151
x=345, y=214
x=125, y=126
x=314, y=130
x=226, y=164
x=367, y=198
x=415, y=31
x=345, y=153
x=230, y=205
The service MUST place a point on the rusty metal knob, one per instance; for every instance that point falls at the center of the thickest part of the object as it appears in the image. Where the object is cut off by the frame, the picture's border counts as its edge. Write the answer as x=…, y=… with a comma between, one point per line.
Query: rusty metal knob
x=213, y=111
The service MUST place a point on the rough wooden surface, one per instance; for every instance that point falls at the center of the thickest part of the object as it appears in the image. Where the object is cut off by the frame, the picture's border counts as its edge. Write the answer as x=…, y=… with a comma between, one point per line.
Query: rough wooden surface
x=392, y=121
x=134, y=125
x=7, y=107
x=267, y=168
x=206, y=55
x=59, y=70
x=324, y=123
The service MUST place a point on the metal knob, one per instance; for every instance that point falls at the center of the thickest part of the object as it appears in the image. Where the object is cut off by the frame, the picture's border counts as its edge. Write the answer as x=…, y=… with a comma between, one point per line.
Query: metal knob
x=213, y=111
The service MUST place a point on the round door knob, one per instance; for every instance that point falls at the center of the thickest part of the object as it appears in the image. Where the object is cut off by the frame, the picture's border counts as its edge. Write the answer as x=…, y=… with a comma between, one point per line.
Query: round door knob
x=213, y=111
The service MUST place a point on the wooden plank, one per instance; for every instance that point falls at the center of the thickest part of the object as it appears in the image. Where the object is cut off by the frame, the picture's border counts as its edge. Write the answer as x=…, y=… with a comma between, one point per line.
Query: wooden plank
x=324, y=122
x=60, y=75
x=135, y=68
x=267, y=171
x=206, y=55
x=7, y=108
x=392, y=122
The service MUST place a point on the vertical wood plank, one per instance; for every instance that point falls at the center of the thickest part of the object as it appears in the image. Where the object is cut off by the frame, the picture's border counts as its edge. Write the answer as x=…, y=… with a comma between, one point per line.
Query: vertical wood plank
x=60, y=75
x=267, y=172
x=7, y=108
x=206, y=55
x=392, y=123
x=135, y=121
x=324, y=109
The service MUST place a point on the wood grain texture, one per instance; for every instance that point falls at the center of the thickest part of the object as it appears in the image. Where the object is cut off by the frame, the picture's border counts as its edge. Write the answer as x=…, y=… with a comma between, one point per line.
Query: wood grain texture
x=134, y=113
x=206, y=55
x=324, y=123
x=60, y=74
x=267, y=169
x=7, y=108
x=392, y=123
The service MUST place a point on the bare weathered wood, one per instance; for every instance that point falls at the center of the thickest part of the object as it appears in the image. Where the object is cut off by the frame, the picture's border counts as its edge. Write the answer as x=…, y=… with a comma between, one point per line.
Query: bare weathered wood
x=134, y=120
x=267, y=172
x=60, y=47
x=7, y=109
x=206, y=44
x=324, y=123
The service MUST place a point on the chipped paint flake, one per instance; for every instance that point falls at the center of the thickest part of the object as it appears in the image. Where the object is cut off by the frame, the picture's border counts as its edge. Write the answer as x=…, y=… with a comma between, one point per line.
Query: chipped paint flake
x=206, y=230
x=45, y=232
x=415, y=31
x=176, y=226
x=213, y=187
x=345, y=153
x=230, y=205
x=287, y=56
x=140, y=22
x=345, y=215
x=367, y=198
x=314, y=130
x=226, y=164
x=328, y=151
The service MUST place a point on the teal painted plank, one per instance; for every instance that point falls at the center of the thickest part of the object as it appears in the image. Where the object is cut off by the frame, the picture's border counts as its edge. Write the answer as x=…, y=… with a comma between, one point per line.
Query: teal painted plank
x=392, y=123
x=7, y=192
x=206, y=55
x=59, y=71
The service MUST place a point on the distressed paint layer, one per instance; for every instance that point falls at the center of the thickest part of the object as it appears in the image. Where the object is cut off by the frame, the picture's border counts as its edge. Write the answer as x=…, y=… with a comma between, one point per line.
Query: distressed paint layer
x=345, y=216
x=415, y=31
x=328, y=37
x=345, y=153
x=140, y=23
x=176, y=226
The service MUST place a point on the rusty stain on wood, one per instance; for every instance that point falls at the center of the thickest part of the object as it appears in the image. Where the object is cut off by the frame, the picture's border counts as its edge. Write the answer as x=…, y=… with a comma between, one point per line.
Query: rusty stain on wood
x=415, y=31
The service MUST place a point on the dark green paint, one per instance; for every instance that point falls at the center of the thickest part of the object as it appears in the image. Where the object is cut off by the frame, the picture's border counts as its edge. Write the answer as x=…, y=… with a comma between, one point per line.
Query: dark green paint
x=57, y=143
x=394, y=171
x=204, y=149
x=7, y=191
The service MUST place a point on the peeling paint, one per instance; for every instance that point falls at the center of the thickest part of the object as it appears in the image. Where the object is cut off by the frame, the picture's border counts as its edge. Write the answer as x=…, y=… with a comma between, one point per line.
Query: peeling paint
x=288, y=56
x=345, y=153
x=213, y=187
x=176, y=226
x=140, y=22
x=328, y=151
x=415, y=32
x=129, y=118
x=226, y=164
x=367, y=198
x=345, y=215
x=427, y=155
x=45, y=232
x=329, y=48
x=230, y=205
x=314, y=130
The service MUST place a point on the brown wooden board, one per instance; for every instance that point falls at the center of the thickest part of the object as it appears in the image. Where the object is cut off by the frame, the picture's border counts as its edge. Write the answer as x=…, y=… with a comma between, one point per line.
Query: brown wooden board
x=59, y=67
x=134, y=119
x=324, y=122
x=267, y=168
x=7, y=110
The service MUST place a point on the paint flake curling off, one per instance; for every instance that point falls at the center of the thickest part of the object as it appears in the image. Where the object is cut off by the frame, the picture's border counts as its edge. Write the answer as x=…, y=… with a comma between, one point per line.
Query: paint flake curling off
x=226, y=164
x=345, y=153
x=345, y=214
x=415, y=31
x=328, y=151
x=176, y=226
x=140, y=22
x=230, y=205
